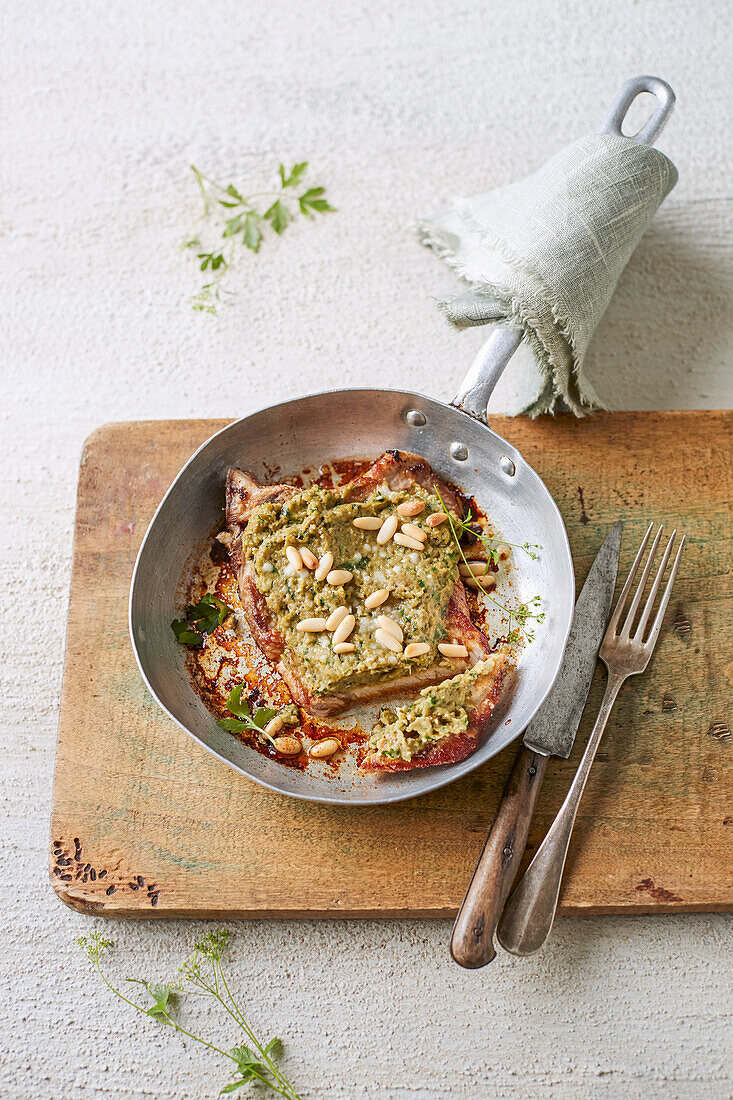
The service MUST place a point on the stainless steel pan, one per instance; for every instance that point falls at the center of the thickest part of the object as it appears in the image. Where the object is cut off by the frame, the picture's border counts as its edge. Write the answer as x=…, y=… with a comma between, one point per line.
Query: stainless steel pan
x=459, y=444
x=306, y=433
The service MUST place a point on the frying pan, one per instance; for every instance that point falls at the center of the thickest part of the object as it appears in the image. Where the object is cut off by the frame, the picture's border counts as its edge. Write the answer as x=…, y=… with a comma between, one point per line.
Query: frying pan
x=457, y=441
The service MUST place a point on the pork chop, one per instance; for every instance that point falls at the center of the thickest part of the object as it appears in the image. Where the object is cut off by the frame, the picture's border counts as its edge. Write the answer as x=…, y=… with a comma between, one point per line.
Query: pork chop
x=423, y=593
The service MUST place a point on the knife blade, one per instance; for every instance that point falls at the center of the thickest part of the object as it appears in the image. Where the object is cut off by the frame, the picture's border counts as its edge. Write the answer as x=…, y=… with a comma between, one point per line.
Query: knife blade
x=552, y=732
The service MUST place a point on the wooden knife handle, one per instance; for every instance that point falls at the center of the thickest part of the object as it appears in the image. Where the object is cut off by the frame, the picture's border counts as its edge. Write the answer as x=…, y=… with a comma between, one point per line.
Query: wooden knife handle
x=472, y=942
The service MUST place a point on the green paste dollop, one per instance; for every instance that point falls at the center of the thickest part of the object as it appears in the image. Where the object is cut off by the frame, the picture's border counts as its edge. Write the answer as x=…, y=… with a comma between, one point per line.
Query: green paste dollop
x=438, y=712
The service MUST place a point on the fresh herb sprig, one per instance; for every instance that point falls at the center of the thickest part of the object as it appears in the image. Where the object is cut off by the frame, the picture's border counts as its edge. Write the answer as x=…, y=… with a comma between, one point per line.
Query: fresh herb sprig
x=240, y=220
x=199, y=619
x=467, y=526
x=523, y=613
x=202, y=975
x=244, y=719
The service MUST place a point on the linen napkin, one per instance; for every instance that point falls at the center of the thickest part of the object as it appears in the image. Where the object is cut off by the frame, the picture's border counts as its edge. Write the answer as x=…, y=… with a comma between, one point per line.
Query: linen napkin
x=545, y=254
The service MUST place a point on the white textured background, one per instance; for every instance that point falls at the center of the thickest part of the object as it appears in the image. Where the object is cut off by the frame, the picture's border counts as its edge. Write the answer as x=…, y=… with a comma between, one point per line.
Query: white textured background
x=397, y=106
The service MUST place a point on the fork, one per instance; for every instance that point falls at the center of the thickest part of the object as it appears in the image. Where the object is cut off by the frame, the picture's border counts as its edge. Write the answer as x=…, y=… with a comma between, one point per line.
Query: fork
x=529, y=914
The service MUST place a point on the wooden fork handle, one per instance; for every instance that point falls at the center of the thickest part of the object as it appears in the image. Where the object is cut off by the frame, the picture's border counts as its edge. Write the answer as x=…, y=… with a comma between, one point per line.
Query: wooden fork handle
x=528, y=918
x=472, y=941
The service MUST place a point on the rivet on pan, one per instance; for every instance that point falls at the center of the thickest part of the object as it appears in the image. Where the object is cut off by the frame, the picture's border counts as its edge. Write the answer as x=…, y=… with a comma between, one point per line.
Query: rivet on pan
x=459, y=451
x=415, y=418
x=507, y=466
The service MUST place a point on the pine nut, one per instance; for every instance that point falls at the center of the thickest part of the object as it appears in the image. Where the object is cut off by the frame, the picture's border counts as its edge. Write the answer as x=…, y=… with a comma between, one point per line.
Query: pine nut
x=410, y=508
x=288, y=746
x=448, y=649
x=414, y=532
x=344, y=628
x=387, y=530
x=391, y=626
x=477, y=568
x=344, y=647
x=294, y=557
x=310, y=561
x=410, y=543
x=416, y=649
x=311, y=626
x=336, y=617
x=436, y=519
x=339, y=576
x=274, y=725
x=376, y=599
x=388, y=640
x=368, y=523
x=327, y=747
x=324, y=566
x=503, y=552
x=484, y=584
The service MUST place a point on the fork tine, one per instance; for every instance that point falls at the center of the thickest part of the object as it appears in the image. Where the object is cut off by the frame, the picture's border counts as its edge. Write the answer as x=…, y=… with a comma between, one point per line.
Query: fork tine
x=654, y=634
x=613, y=621
x=648, y=606
x=626, y=629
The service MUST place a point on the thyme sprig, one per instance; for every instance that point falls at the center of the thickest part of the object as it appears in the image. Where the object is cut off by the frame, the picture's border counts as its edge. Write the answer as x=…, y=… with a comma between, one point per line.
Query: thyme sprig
x=244, y=719
x=492, y=546
x=523, y=613
x=240, y=219
x=202, y=975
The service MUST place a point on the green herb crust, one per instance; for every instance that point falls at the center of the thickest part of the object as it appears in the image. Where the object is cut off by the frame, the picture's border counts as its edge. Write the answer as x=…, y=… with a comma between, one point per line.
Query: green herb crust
x=420, y=582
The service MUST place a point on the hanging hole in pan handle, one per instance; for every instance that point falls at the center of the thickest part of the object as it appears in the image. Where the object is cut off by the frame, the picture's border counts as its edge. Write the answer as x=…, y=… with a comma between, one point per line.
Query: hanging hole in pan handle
x=651, y=130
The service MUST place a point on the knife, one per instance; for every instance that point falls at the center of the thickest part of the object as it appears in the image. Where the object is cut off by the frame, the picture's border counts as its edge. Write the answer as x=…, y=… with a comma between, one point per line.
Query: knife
x=551, y=733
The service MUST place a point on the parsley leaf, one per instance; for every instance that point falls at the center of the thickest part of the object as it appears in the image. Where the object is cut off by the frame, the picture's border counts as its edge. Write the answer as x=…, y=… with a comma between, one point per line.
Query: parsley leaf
x=235, y=705
x=263, y=716
x=252, y=234
x=247, y=1061
x=232, y=226
x=236, y=216
x=208, y=613
x=212, y=260
x=200, y=618
x=311, y=200
x=278, y=215
x=243, y=719
x=163, y=1000
x=242, y=1055
x=185, y=635
x=295, y=176
x=232, y=725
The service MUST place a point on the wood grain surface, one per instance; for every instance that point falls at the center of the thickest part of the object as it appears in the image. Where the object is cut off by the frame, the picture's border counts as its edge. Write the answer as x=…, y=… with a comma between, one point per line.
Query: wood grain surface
x=147, y=823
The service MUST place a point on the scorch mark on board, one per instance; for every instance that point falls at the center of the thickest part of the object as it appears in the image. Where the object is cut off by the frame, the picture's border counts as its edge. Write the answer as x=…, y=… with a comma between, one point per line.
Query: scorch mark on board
x=657, y=892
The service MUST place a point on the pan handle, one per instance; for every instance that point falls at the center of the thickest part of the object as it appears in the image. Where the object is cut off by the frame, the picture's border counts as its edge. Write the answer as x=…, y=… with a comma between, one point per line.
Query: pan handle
x=620, y=108
x=494, y=354
x=486, y=370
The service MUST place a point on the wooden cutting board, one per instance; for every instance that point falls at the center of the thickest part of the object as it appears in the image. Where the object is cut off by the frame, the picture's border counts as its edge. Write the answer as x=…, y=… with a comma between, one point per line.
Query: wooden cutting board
x=147, y=823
